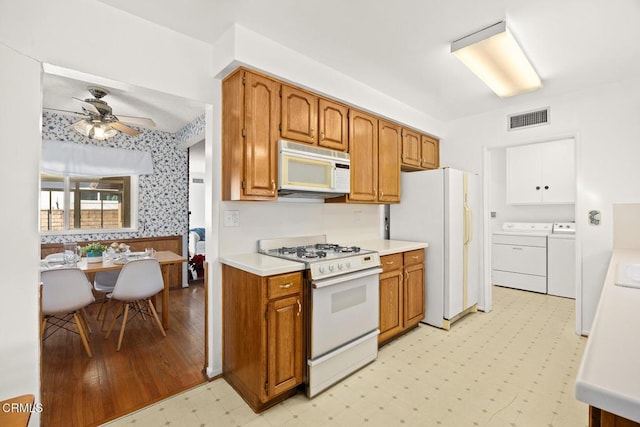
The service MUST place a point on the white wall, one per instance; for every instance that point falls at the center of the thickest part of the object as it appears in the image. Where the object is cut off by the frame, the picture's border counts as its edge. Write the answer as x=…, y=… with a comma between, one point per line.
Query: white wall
x=604, y=121
x=20, y=118
x=64, y=33
x=518, y=213
x=265, y=220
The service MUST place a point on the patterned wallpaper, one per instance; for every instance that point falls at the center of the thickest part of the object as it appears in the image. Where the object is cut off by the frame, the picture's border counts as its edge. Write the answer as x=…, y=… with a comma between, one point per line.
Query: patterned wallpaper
x=163, y=196
x=192, y=130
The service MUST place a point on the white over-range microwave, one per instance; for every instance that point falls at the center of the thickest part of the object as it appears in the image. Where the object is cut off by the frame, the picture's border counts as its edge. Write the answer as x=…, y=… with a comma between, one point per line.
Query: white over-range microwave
x=310, y=171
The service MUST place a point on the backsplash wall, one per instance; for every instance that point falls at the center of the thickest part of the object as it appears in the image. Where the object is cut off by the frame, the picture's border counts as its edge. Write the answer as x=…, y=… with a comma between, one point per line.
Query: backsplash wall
x=342, y=223
x=162, y=202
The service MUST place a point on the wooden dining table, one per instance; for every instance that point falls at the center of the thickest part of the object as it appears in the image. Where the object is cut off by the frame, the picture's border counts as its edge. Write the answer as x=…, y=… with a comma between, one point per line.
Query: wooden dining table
x=167, y=260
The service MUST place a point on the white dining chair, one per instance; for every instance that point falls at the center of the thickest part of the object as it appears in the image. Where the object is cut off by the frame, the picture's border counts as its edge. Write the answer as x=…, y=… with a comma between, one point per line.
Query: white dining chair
x=65, y=293
x=103, y=283
x=138, y=281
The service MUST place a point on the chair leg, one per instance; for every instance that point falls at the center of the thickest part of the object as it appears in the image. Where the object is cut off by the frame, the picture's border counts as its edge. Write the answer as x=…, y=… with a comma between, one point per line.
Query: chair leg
x=155, y=316
x=85, y=321
x=124, y=324
x=44, y=326
x=109, y=305
x=82, y=334
x=113, y=321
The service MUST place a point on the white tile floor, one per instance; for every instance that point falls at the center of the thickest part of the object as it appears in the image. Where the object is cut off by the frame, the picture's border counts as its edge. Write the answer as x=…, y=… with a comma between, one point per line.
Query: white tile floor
x=515, y=366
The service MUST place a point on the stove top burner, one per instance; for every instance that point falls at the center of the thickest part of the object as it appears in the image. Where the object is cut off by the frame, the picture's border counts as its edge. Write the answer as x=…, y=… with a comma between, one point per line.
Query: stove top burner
x=336, y=248
x=315, y=251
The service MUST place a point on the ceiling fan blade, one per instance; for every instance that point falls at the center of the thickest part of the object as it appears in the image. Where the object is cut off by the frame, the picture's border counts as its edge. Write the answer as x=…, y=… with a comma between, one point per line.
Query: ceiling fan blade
x=141, y=121
x=74, y=113
x=124, y=128
x=87, y=105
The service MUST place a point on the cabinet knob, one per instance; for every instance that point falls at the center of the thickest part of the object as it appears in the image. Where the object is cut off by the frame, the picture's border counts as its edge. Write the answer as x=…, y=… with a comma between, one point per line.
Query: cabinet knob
x=537, y=187
x=546, y=187
x=313, y=133
x=273, y=187
x=389, y=262
x=381, y=193
x=286, y=285
x=299, y=307
x=322, y=136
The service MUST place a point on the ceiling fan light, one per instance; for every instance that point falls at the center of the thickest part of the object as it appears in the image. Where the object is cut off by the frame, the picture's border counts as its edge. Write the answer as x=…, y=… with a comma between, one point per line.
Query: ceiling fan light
x=102, y=131
x=83, y=127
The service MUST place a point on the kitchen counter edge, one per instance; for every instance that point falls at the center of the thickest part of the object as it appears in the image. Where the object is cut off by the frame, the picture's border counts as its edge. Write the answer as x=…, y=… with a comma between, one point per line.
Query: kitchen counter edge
x=261, y=265
x=389, y=247
x=608, y=374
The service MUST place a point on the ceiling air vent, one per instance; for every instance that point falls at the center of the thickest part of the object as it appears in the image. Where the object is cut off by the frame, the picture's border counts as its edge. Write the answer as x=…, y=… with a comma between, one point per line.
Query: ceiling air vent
x=529, y=119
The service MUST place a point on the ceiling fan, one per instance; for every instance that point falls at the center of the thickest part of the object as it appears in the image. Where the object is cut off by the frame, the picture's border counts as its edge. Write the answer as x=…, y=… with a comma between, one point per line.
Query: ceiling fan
x=99, y=122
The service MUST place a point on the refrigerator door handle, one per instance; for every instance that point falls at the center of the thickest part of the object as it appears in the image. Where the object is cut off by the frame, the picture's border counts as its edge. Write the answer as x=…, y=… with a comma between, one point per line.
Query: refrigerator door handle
x=468, y=224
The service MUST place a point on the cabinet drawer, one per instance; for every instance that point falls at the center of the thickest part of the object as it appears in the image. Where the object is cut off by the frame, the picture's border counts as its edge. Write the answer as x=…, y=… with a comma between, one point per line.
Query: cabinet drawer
x=391, y=262
x=286, y=284
x=414, y=257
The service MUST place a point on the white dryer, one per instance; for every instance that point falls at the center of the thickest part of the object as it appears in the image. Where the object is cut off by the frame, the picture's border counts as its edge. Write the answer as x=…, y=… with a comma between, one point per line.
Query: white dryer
x=519, y=256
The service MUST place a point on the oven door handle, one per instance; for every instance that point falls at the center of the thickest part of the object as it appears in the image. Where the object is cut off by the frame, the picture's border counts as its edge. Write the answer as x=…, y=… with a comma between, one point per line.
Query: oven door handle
x=317, y=284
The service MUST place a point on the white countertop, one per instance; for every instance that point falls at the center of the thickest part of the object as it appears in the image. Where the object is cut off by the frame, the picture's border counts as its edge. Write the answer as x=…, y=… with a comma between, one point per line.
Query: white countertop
x=388, y=247
x=609, y=374
x=262, y=265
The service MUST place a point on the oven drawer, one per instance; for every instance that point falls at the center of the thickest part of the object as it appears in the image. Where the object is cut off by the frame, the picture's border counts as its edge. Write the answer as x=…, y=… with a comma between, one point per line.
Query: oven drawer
x=391, y=262
x=283, y=285
x=414, y=257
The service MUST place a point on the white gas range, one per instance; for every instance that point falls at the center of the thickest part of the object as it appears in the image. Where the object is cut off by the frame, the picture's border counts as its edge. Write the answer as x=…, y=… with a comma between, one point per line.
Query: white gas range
x=342, y=294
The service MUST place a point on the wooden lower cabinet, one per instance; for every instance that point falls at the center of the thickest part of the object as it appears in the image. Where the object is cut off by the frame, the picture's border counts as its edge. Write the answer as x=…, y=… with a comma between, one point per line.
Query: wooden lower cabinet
x=601, y=418
x=401, y=293
x=263, y=352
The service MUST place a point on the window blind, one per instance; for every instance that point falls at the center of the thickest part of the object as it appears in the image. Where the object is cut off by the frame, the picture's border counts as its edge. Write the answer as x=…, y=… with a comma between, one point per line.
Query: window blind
x=71, y=159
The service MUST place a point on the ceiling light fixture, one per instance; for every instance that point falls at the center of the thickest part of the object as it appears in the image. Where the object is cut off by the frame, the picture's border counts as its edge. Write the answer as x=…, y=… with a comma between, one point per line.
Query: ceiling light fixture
x=493, y=54
x=94, y=129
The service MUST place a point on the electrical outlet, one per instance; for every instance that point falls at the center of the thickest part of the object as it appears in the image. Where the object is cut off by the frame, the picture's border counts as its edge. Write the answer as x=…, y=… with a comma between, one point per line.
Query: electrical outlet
x=231, y=218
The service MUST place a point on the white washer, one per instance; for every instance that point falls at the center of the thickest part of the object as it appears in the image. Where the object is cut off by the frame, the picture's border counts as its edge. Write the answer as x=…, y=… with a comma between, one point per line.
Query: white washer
x=519, y=256
x=561, y=260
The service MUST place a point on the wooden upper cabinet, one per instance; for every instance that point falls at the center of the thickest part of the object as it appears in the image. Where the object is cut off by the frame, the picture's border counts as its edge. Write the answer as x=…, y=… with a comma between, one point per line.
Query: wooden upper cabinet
x=333, y=125
x=261, y=124
x=430, y=148
x=389, y=152
x=363, y=150
x=411, y=148
x=250, y=118
x=299, y=115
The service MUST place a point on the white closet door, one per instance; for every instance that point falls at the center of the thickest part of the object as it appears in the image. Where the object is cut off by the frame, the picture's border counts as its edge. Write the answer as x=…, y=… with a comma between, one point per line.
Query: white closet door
x=558, y=172
x=524, y=174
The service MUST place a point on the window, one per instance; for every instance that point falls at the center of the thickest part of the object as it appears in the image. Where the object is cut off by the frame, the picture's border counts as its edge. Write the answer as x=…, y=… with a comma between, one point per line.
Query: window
x=72, y=203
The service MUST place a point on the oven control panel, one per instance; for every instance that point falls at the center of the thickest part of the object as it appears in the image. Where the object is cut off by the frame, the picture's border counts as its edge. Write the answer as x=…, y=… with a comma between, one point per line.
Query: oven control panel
x=350, y=264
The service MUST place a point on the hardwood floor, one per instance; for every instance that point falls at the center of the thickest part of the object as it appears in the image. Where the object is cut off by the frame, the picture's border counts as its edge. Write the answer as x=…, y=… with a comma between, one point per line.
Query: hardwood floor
x=82, y=391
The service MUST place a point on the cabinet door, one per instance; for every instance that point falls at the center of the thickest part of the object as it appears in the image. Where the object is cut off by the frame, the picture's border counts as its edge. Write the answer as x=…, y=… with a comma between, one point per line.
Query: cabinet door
x=389, y=151
x=391, y=302
x=524, y=174
x=333, y=125
x=413, y=294
x=262, y=107
x=299, y=115
x=363, y=149
x=558, y=172
x=284, y=344
x=430, y=152
x=411, y=148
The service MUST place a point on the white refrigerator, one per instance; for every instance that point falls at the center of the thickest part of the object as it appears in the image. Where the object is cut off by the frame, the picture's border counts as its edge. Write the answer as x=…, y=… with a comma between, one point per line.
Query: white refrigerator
x=440, y=207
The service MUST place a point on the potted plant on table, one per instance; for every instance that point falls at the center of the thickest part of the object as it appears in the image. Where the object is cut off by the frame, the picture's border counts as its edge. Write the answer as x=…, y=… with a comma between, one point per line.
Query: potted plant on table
x=93, y=252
